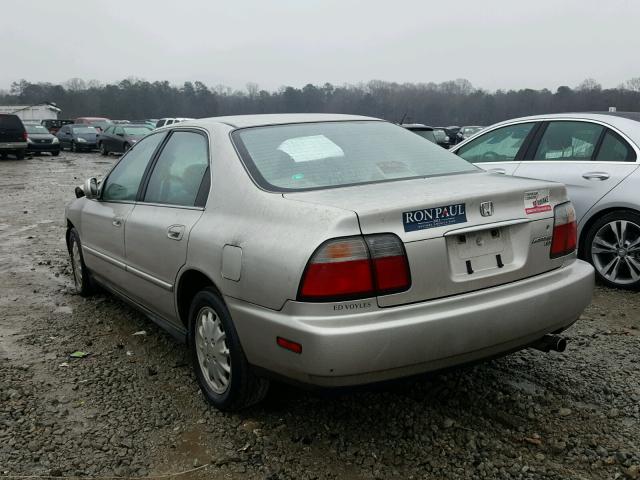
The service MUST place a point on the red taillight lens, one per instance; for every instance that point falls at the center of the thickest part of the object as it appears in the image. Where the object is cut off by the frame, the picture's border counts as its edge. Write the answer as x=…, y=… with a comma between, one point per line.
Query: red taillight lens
x=339, y=269
x=24, y=136
x=390, y=264
x=349, y=268
x=565, y=230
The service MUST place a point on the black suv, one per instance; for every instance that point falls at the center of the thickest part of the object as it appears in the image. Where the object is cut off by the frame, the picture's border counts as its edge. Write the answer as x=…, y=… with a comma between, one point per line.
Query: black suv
x=13, y=136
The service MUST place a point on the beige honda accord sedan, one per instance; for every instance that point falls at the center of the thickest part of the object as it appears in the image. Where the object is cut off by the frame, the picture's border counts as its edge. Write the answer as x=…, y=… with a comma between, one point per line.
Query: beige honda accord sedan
x=330, y=250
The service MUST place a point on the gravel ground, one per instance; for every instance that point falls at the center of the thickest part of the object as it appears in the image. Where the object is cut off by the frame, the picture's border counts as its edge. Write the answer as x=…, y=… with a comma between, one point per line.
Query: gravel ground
x=132, y=408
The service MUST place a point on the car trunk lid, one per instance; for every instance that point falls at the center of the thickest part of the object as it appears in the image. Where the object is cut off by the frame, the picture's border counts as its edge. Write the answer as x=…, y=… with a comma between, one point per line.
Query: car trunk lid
x=461, y=232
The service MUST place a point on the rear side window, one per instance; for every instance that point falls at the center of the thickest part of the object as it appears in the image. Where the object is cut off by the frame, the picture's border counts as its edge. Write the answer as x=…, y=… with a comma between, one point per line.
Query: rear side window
x=563, y=141
x=179, y=170
x=124, y=180
x=615, y=149
x=428, y=134
x=499, y=145
x=308, y=156
x=11, y=122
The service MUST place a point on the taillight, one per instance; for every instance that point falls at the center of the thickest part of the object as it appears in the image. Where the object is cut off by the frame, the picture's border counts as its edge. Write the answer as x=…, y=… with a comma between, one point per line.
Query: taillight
x=356, y=267
x=24, y=136
x=565, y=230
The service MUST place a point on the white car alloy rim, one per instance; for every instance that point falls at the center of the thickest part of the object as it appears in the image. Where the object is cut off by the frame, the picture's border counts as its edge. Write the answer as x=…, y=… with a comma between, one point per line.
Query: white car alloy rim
x=212, y=350
x=77, y=265
x=616, y=252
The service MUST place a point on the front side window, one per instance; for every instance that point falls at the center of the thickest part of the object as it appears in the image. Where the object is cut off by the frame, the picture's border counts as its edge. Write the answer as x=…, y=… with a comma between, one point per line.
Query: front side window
x=136, y=131
x=499, y=145
x=124, y=180
x=179, y=171
x=308, y=156
x=615, y=149
x=569, y=141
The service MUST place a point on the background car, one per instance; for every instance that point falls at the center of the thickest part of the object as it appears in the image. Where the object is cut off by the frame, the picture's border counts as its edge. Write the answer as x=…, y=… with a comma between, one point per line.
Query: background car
x=100, y=123
x=422, y=130
x=452, y=133
x=40, y=140
x=54, y=125
x=299, y=245
x=163, y=122
x=119, y=138
x=467, y=132
x=78, y=137
x=13, y=136
x=442, y=138
x=596, y=156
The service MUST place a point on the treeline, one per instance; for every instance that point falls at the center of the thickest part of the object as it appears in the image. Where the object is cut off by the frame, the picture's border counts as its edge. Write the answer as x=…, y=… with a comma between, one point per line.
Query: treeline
x=448, y=103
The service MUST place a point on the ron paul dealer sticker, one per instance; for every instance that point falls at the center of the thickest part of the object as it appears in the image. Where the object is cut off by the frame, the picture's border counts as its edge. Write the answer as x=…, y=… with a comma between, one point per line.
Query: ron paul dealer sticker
x=537, y=201
x=434, y=217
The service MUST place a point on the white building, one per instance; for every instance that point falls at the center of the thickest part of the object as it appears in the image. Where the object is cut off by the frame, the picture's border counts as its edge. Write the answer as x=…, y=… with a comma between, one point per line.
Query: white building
x=35, y=113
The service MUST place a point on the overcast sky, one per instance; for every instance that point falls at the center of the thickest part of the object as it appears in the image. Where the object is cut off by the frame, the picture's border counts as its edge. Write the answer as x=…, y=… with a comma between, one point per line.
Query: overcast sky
x=493, y=43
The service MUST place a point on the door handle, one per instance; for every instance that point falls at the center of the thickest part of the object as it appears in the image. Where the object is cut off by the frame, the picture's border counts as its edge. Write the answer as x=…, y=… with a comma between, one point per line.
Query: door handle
x=117, y=222
x=501, y=171
x=175, y=232
x=595, y=176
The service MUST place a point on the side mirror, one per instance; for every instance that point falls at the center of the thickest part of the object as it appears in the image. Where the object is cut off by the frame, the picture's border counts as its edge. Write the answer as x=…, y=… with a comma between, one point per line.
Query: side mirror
x=91, y=188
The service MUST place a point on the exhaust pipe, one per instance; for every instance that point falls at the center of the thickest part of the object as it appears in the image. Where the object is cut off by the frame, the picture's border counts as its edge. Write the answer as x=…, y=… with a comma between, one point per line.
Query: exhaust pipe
x=549, y=343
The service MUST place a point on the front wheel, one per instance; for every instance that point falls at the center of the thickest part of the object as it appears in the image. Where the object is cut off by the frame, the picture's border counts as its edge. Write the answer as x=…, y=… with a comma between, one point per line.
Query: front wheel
x=218, y=360
x=81, y=276
x=103, y=149
x=612, y=246
x=55, y=154
x=20, y=155
x=74, y=147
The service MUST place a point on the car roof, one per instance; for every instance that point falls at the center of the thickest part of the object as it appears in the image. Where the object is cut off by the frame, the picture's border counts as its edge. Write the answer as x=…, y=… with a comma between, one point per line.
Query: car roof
x=243, y=121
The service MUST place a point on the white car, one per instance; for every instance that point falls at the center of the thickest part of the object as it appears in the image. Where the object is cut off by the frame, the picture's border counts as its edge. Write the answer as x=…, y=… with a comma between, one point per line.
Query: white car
x=596, y=156
x=164, y=122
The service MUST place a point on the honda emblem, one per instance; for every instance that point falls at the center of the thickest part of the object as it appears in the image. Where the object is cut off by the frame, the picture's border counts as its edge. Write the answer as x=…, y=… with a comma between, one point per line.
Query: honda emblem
x=486, y=209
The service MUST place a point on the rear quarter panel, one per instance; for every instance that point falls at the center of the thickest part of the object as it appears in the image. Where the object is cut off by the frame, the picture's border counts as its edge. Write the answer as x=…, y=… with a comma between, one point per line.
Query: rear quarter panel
x=277, y=236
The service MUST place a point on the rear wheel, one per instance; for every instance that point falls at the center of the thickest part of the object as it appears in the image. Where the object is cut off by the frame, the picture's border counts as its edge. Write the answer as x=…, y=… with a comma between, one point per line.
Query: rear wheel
x=612, y=246
x=55, y=154
x=3, y=156
x=81, y=275
x=20, y=155
x=219, y=363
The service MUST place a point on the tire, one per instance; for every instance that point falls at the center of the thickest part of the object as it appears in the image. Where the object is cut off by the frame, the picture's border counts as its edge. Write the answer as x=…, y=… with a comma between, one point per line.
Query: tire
x=240, y=387
x=20, y=155
x=74, y=147
x=612, y=246
x=81, y=275
x=103, y=150
x=55, y=154
x=125, y=147
x=3, y=156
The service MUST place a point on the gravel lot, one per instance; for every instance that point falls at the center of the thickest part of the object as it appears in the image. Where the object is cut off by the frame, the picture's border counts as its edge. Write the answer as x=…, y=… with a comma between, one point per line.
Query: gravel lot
x=132, y=408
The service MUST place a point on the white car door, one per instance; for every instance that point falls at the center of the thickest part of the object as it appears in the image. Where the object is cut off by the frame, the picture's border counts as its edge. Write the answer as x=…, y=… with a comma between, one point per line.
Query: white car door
x=589, y=158
x=499, y=150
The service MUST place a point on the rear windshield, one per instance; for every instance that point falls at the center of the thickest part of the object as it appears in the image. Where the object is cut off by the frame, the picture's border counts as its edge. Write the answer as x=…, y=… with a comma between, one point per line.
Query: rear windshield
x=10, y=122
x=84, y=130
x=309, y=156
x=428, y=134
x=136, y=131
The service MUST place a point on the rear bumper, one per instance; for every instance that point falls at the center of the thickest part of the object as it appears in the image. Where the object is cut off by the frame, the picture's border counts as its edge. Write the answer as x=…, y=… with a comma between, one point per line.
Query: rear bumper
x=378, y=344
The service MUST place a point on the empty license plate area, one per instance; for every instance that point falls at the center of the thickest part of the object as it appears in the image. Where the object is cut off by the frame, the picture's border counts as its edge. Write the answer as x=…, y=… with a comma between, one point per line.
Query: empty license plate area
x=479, y=251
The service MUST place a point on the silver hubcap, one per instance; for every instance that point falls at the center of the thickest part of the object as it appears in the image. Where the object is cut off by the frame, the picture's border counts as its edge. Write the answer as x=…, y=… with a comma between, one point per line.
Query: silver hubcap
x=77, y=265
x=212, y=350
x=616, y=252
